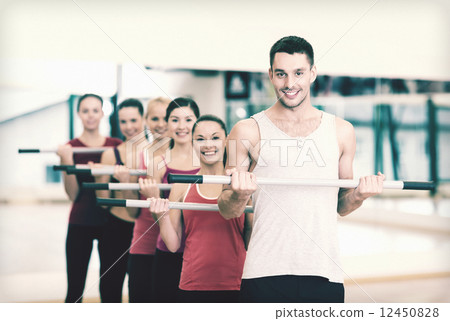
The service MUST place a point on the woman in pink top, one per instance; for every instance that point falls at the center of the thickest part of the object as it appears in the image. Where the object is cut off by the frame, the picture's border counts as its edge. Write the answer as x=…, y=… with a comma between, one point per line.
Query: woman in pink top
x=215, y=248
x=146, y=231
x=181, y=115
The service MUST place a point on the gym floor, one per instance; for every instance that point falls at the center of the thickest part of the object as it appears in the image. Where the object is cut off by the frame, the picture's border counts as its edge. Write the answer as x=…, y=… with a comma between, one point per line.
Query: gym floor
x=406, y=260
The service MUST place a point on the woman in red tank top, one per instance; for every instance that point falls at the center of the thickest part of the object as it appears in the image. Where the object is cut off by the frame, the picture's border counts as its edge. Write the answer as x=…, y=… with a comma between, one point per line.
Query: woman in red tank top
x=215, y=248
x=86, y=220
x=181, y=115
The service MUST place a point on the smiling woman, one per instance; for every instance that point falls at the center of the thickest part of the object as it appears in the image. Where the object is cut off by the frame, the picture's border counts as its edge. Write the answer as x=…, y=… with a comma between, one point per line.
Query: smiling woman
x=86, y=221
x=120, y=222
x=130, y=122
x=155, y=117
x=181, y=115
x=215, y=248
x=146, y=231
x=209, y=148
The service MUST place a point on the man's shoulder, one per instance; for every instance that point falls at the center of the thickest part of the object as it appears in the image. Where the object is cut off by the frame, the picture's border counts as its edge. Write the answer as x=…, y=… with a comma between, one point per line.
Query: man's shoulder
x=344, y=129
x=342, y=124
x=246, y=126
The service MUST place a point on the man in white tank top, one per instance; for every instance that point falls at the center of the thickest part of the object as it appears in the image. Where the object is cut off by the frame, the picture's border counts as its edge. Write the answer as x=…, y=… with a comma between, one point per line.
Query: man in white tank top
x=293, y=255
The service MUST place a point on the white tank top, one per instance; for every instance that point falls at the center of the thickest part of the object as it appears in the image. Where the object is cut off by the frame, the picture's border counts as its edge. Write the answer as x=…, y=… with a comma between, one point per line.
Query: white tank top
x=295, y=228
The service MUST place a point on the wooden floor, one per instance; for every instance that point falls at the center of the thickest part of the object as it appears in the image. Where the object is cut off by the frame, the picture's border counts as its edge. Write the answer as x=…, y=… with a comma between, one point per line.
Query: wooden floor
x=432, y=289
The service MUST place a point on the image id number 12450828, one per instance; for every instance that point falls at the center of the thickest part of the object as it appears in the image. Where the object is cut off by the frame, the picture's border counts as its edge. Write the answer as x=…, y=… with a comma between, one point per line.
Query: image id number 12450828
x=409, y=312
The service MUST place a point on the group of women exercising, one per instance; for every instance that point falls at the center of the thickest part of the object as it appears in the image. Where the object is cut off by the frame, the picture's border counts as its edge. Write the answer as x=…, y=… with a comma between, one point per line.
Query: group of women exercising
x=175, y=256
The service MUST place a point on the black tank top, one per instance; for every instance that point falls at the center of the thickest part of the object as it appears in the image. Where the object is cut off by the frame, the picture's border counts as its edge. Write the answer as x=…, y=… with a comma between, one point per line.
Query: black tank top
x=117, y=154
x=118, y=162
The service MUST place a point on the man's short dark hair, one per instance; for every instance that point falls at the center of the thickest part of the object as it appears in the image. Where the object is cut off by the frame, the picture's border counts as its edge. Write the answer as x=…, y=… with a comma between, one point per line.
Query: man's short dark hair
x=291, y=45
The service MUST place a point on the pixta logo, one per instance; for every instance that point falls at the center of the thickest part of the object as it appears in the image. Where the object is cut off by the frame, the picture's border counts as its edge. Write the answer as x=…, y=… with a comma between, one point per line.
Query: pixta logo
x=134, y=147
x=275, y=152
x=139, y=149
x=150, y=152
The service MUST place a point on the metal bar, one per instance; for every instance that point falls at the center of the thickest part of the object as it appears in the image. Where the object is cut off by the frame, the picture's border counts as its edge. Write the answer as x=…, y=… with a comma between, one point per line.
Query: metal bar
x=172, y=205
x=342, y=183
x=104, y=171
x=77, y=166
x=76, y=150
x=121, y=186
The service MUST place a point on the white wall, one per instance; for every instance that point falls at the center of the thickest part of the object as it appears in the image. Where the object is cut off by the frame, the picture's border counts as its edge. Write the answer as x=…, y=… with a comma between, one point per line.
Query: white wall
x=207, y=91
x=396, y=38
x=23, y=175
x=69, y=47
x=29, y=84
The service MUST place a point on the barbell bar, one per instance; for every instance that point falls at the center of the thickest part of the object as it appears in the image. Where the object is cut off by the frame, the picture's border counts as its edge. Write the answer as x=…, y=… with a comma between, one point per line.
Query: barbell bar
x=342, y=183
x=77, y=166
x=76, y=150
x=104, y=171
x=120, y=186
x=114, y=202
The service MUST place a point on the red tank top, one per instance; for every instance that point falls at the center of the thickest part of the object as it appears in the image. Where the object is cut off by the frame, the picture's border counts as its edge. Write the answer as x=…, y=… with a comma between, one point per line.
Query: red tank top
x=84, y=209
x=160, y=243
x=146, y=230
x=214, y=254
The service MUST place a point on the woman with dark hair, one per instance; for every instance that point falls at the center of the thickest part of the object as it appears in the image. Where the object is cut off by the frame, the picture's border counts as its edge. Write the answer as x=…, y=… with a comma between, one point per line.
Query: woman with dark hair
x=214, y=254
x=181, y=115
x=87, y=220
x=120, y=220
x=146, y=231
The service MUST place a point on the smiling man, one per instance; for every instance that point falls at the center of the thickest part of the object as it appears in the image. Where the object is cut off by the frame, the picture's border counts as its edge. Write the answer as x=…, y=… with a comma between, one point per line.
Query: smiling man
x=293, y=255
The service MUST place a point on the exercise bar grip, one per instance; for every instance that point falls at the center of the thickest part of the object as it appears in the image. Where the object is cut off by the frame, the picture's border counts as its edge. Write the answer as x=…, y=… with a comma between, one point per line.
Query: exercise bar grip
x=184, y=179
x=73, y=170
x=96, y=186
x=24, y=150
x=419, y=185
x=62, y=167
x=111, y=202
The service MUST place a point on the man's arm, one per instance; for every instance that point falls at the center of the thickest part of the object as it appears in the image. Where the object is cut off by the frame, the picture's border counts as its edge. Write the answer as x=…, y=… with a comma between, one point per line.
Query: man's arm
x=350, y=199
x=241, y=158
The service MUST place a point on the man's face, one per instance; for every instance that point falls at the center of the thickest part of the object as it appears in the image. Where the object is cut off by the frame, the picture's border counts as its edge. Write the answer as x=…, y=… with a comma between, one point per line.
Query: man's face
x=291, y=76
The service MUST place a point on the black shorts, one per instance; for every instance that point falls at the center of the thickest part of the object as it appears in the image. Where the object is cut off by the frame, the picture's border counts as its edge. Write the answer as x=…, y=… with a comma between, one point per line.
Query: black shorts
x=166, y=276
x=291, y=289
x=208, y=296
x=140, y=272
